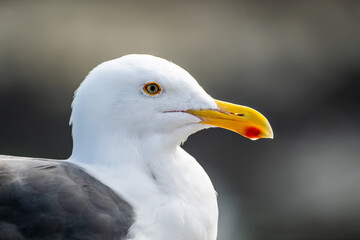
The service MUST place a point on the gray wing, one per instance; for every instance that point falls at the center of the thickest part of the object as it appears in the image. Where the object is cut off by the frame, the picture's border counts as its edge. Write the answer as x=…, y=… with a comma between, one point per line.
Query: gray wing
x=52, y=199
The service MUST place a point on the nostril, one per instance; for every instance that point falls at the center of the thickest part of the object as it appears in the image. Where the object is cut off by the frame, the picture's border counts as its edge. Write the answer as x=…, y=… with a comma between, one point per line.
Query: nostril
x=239, y=114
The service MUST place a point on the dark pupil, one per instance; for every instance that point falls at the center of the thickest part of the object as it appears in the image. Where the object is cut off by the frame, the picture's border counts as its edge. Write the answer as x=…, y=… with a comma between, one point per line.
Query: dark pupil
x=152, y=88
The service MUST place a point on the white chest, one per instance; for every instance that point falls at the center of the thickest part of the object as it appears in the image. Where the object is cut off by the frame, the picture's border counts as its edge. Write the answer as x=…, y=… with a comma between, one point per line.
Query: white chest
x=175, y=202
x=176, y=219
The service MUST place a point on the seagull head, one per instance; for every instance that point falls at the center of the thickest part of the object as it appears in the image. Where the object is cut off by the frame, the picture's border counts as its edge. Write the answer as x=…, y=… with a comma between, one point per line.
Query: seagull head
x=146, y=97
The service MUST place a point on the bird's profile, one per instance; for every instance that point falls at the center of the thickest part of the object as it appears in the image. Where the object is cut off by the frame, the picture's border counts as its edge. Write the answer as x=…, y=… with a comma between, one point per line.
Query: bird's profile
x=127, y=177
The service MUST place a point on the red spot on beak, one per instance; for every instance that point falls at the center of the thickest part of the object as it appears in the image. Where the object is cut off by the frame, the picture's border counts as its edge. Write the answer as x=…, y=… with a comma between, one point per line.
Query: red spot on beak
x=252, y=133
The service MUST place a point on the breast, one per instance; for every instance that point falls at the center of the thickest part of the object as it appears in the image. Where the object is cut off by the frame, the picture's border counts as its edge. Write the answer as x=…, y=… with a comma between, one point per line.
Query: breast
x=172, y=198
x=174, y=218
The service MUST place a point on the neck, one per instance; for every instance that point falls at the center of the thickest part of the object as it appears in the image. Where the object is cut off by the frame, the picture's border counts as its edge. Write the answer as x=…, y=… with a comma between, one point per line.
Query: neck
x=115, y=150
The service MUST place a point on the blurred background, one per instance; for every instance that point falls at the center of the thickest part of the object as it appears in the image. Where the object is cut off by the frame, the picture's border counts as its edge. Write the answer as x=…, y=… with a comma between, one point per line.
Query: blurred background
x=297, y=62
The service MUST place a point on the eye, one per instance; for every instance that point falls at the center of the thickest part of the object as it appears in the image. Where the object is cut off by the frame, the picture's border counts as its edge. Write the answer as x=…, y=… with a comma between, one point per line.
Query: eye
x=152, y=88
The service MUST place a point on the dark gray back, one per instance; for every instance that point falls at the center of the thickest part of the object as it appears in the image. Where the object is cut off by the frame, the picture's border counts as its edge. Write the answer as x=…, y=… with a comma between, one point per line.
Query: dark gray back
x=55, y=199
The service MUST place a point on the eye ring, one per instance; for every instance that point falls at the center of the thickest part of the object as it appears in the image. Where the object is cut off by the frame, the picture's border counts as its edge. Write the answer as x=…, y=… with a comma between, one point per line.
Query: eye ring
x=152, y=88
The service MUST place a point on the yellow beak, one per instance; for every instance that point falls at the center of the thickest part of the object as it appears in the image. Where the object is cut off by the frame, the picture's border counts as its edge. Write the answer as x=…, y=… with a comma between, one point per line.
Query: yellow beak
x=243, y=120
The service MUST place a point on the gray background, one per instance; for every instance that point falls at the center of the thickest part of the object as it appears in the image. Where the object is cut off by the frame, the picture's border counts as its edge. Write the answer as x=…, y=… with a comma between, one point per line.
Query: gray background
x=297, y=62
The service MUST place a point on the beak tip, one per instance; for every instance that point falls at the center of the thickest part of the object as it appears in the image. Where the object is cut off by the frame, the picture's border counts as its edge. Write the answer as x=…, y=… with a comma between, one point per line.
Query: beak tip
x=271, y=134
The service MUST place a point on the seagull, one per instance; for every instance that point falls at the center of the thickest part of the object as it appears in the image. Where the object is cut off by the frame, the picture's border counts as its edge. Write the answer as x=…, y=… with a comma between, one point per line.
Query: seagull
x=128, y=177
